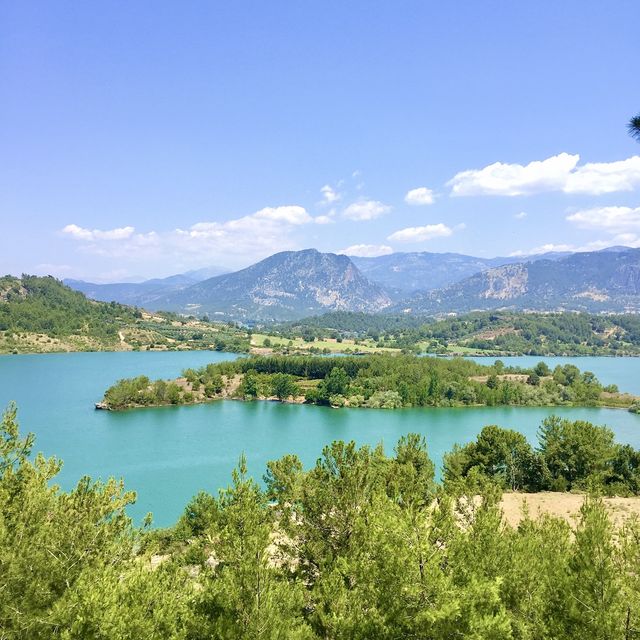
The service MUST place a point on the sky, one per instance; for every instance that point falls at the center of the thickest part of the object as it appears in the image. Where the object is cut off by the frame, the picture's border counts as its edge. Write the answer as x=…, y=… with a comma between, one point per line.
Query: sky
x=143, y=139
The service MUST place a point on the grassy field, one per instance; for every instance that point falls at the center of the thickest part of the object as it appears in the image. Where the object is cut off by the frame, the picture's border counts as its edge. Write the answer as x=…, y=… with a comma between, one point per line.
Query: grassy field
x=332, y=345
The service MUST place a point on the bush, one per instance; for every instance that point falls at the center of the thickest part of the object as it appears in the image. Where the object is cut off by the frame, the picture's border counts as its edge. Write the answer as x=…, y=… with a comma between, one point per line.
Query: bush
x=385, y=400
x=337, y=400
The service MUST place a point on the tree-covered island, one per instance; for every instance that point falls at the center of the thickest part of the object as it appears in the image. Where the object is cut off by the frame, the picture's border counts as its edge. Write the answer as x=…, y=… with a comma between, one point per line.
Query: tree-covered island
x=379, y=381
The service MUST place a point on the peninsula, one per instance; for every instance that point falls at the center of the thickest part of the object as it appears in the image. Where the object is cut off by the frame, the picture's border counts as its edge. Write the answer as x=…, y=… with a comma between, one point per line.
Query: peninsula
x=380, y=381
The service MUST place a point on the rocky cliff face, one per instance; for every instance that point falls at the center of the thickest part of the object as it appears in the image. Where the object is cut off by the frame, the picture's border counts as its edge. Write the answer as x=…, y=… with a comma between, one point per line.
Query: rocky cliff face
x=627, y=279
x=506, y=282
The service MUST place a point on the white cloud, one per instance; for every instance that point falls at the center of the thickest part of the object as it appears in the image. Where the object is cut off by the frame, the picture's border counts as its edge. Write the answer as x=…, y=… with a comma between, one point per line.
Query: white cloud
x=292, y=214
x=421, y=234
x=549, y=247
x=329, y=194
x=227, y=242
x=515, y=179
x=612, y=219
x=367, y=250
x=419, y=196
x=605, y=177
x=328, y=219
x=80, y=233
x=365, y=210
x=520, y=216
x=557, y=173
x=621, y=239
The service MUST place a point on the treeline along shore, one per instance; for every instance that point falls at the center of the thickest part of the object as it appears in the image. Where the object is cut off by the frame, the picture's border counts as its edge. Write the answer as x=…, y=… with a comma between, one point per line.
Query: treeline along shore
x=380, y=381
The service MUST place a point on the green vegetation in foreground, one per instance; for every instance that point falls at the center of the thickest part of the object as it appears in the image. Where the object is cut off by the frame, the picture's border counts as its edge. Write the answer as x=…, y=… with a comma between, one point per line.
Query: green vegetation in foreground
x=375, y=381
x=40, y=314
x=482, y=333
x=360, y=546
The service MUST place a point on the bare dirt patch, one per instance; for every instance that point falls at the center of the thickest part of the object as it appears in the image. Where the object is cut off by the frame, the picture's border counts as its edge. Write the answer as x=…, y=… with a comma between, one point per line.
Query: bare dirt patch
x=563, y=505
x=509, y=377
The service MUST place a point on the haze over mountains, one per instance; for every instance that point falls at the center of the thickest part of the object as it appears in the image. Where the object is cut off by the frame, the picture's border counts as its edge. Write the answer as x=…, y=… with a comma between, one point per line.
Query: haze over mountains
x=295, y=284
x=142, y=294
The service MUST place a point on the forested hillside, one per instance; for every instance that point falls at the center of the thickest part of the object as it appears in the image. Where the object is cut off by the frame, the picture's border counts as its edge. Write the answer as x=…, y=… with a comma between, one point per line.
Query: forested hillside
x=362, y=545
x=43, y=305
x=39, y=314
x=484, y=331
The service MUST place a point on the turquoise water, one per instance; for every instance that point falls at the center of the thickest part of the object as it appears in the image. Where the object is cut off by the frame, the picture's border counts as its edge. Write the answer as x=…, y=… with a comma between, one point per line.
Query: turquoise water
x=168, y=454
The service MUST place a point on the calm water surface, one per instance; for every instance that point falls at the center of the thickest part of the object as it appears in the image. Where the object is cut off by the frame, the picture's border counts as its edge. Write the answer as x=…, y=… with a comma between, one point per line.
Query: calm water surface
x=168, y=454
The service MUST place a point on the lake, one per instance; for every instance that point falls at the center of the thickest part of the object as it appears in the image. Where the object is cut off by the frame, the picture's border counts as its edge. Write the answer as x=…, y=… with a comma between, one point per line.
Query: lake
x=170, y=453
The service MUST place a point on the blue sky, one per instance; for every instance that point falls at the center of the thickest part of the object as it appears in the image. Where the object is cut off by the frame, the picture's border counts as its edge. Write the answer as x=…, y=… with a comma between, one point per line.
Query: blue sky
x=141, y=139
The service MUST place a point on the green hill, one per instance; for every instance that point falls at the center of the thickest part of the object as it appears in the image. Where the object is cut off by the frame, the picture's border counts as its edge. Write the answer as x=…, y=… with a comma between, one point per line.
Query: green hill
x=44, y=306
x=40, y=314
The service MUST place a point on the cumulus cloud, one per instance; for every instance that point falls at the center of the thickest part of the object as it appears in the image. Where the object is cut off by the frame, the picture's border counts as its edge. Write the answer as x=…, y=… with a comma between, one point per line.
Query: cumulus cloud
x=80, y=233
x=612, y=219
x=605, y=177
x=621, y=239
x=421, y=234
x=365, y=210
x=292, y=214
x=329, y=194
x=515, y=179
x=328, y=219
x=520, y=216
x=253, y=236
x=557, y=173
x=419, y=196
x=367, y=250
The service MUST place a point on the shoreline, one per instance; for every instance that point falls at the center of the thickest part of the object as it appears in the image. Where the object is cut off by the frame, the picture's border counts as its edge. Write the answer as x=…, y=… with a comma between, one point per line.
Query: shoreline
x=333, y=353
x=102, y=406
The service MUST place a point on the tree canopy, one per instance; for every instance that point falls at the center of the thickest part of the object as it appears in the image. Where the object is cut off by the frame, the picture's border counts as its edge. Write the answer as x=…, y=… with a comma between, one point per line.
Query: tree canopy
x=360, y=545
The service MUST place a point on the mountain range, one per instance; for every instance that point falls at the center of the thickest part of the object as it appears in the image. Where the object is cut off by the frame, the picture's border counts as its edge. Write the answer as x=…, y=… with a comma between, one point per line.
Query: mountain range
x=142, y=294
x=424, y=271
x=295, y=284
x=607, y=280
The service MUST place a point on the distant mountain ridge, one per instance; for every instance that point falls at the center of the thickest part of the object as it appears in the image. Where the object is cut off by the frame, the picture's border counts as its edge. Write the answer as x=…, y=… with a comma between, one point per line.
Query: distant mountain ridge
x=607, y=280
x=424, y=271
x=285, y=286
x=141, y=294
